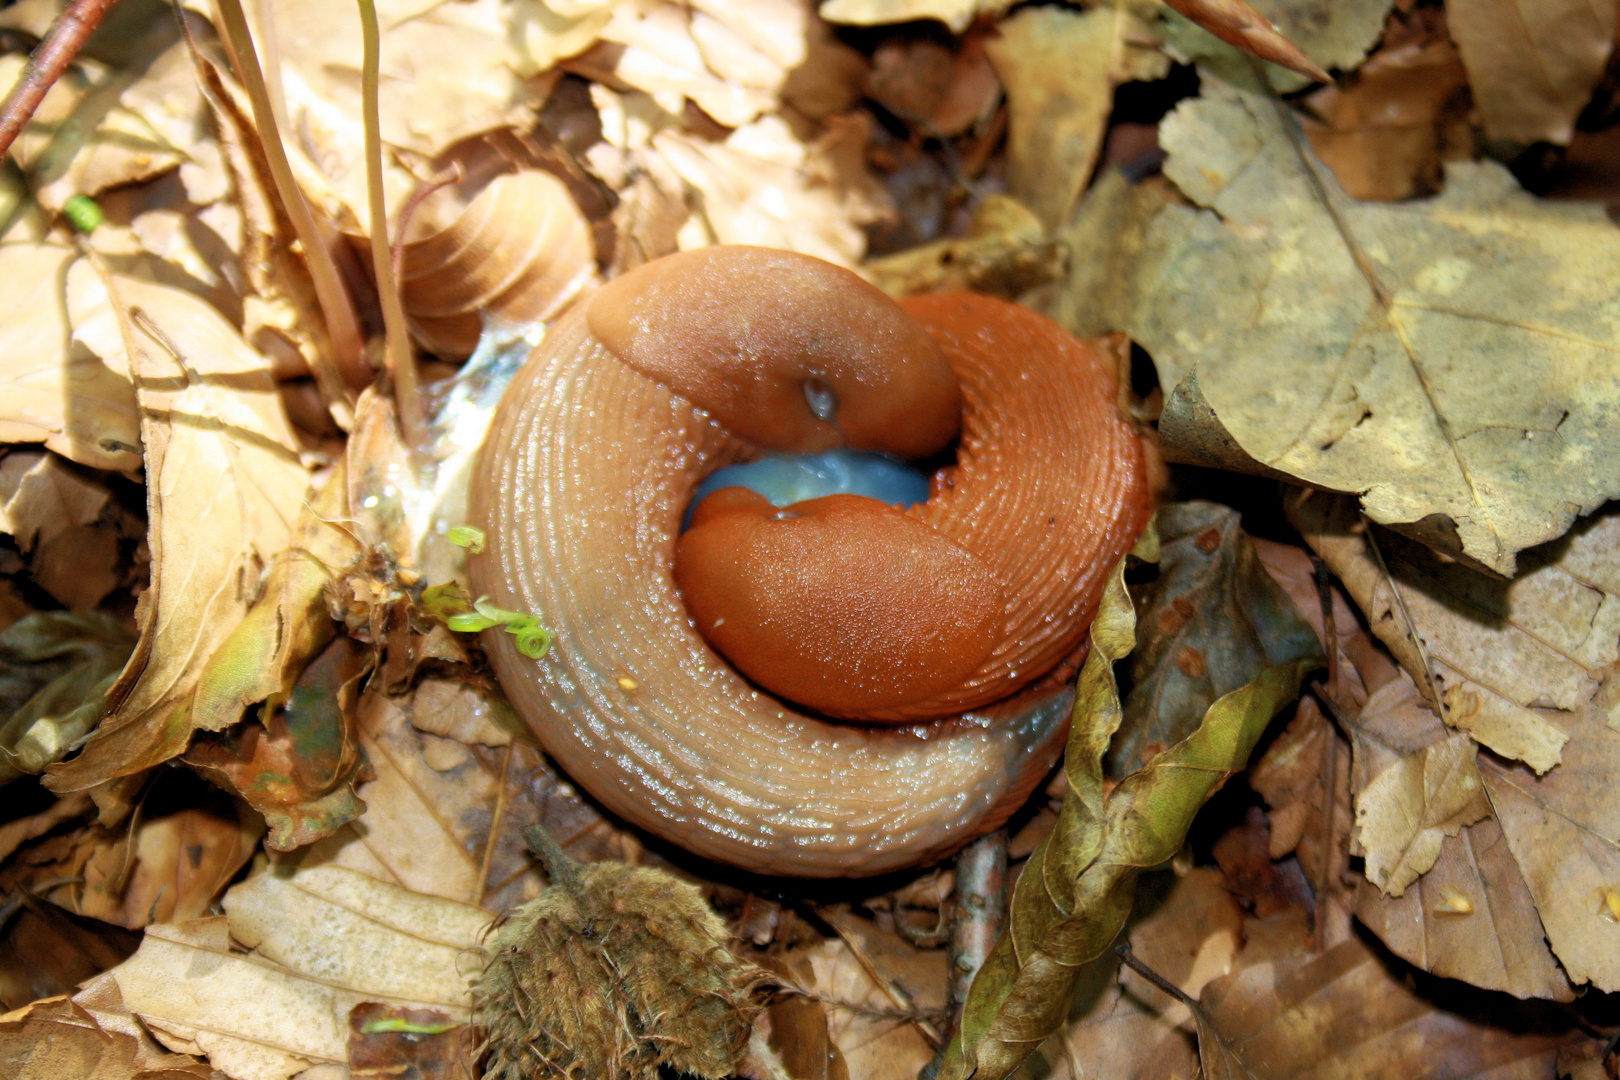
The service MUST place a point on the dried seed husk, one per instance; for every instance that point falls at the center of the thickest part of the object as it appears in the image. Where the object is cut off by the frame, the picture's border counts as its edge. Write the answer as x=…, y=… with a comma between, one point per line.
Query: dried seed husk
x=519, y=250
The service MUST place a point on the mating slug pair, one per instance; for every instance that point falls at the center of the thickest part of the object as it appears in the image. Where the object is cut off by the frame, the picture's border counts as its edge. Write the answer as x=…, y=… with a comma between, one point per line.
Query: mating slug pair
x=926, y=649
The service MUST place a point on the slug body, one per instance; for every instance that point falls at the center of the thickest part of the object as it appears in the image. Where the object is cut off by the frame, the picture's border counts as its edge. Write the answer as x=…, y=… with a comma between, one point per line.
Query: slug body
x=588, y=469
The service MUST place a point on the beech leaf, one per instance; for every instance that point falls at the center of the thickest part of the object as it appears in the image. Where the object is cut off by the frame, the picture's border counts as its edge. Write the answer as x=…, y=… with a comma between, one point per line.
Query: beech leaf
x=1076, y=890
x=1421, y=355
x=1404, y=812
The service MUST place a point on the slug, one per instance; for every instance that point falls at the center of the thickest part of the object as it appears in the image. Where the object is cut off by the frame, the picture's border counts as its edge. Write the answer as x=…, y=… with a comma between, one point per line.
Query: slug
x=704, y=359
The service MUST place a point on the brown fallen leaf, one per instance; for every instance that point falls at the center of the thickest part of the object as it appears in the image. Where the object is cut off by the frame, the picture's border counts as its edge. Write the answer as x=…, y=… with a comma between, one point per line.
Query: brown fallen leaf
x=444, y=817
x=1385, y=134
x=225, y=484
x=1422, y=353
x=57, y=1037
x=1471, y=916
x=922, y=81
x=1506, y=658
x=1532, y=66
x=1404, y=812
x=79, y=404
x=323, y=941
x=410, y=1044
x=1343, y=1013
x=1060, y=68
x=65, y=519
x=1211, y=620
x=47, y=950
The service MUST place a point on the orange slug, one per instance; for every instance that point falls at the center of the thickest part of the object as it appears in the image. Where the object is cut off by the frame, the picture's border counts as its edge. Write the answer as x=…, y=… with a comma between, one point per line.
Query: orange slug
x=949, y=630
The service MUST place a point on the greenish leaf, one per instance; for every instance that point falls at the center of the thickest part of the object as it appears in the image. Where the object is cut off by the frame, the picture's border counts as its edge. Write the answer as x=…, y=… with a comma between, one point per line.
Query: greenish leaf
x=55, y=669
x=1077, y=888
x=1211, y=621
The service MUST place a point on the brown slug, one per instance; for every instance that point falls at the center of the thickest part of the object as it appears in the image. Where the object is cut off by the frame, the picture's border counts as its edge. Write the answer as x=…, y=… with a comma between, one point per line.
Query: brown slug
x=961, y=618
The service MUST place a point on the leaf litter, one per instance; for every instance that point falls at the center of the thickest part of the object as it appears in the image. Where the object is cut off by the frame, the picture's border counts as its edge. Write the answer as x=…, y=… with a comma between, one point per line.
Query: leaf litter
x=283, y=803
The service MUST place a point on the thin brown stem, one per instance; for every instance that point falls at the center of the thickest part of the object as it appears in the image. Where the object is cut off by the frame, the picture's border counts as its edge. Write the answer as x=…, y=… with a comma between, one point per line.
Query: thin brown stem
x=61, y=44
x=396, y=334
x=1136, y=965
x=452, y=173
x=347, y=364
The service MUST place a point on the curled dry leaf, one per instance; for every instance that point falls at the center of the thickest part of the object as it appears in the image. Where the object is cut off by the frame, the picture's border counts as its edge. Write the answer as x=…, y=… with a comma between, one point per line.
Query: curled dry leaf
x=1471, y=915
x=224, y=488
x=1422, y=354
x=1211, y=621
x=1507, y=658
x=322, y=941
x=1532, y=67
x=55, y=390
x=57, y=1037
x=1076, y=889
x=1060, y=68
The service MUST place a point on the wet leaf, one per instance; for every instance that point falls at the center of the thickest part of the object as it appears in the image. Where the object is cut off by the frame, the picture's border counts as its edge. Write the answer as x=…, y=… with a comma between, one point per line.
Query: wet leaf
x=323, y=941
x=1424, y=356
x=55, y=391
x=55, y=670
x=1532, y=67
x=1212, y=620
x=225, y=484
x=1076, y=890
x=1508, y=658
x=1471, y=916
x=1060, y=68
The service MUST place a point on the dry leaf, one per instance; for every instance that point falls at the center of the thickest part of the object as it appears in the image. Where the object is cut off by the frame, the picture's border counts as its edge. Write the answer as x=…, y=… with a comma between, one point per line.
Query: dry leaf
x=56, y=391
x=1060, y=68
x=1005, y=253
x=225, y=484
x=64, y=518
x=411, y=1044
x=323, y=941
x=1532, y=66
x=956, y=14
x=1211, y=621
x=46, y=949
x=1244, y=28
x=1471, y=916
x=57, y=1038
x=1385, y=134
x=1425, y=357
x=446, y=818
x=1404, y=812
x=1342, y=1013
x=1507, y=657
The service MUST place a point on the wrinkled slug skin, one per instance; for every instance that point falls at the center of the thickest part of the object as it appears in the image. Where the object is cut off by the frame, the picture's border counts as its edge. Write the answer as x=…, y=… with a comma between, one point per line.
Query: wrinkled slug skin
x=580, y=488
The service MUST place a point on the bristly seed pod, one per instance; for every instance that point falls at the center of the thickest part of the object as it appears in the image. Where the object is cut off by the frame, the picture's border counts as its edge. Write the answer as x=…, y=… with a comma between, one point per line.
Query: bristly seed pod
x=609, y=973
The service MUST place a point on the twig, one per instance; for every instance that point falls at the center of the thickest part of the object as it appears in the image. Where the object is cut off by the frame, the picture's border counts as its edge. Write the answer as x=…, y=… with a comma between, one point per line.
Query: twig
x=562, y=868
x=346, y=365
x=1136, y=965
x=980, y=902
x=1406, y=616
x=396, y=335
x=61, y=44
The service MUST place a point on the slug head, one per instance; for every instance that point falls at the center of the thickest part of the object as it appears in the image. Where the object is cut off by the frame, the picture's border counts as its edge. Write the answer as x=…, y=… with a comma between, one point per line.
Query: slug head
x=787, y=351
